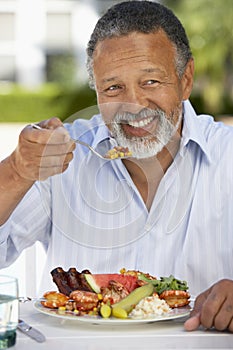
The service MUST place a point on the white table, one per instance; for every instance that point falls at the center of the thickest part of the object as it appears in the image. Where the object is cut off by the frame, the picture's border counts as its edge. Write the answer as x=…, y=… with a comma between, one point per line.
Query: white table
x=65, y=334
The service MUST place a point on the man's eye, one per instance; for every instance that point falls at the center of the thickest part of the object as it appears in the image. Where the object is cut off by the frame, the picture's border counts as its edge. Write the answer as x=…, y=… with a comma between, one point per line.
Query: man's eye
x=113, y=88
x=151, y=82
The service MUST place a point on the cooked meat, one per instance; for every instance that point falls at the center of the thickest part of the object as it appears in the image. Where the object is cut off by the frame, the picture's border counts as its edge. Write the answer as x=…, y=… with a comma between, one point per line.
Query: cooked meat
x=84, y=300
x=68, y=281
x=61, y=280
x=114, y=292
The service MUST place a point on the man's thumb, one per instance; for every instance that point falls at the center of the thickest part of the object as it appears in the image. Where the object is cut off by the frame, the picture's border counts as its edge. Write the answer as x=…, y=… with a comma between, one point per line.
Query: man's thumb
x=193, y=322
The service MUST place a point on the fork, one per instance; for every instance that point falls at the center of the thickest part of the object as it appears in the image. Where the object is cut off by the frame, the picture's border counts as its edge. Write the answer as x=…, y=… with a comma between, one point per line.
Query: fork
x=35, y=126
x=24, y=300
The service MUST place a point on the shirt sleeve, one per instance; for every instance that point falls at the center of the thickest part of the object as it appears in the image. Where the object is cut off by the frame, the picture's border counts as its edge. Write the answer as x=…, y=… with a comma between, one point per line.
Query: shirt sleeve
x=30, y=222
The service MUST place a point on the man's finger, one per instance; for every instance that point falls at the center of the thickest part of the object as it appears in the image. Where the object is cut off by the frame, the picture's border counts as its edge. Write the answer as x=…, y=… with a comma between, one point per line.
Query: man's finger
x=51, y=123
x=193, y=322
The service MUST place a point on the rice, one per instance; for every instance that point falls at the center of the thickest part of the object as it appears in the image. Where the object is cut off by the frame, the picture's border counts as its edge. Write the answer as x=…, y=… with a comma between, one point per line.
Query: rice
x=150, y=307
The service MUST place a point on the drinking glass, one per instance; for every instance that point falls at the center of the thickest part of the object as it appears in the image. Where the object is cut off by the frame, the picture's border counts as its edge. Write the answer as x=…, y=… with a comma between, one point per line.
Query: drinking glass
x=9, y=311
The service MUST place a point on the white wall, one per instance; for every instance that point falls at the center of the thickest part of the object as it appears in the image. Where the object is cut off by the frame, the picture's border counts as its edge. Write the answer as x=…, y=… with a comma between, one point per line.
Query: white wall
x=31, y=30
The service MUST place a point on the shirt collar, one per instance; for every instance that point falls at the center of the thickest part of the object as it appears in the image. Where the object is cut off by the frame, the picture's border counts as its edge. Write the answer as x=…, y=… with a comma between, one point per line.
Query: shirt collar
x=192, y=131
x=103, y=133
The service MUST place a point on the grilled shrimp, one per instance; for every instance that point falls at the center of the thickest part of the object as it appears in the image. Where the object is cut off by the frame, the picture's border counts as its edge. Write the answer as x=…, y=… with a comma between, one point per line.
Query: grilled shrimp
x=175, y=298
x=54, y=300
x=114, y=292
x=85, y=301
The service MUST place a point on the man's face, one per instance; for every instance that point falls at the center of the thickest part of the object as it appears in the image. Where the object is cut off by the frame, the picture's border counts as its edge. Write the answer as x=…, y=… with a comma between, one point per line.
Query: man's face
x=139, y=92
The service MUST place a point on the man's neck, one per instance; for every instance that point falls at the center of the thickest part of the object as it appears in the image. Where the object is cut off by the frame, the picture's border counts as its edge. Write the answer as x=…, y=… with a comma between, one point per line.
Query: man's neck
x=147, y=173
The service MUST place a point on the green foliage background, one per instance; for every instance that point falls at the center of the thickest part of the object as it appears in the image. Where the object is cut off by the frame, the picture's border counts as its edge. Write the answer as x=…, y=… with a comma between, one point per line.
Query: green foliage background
x=209, y=26
x=22, y=105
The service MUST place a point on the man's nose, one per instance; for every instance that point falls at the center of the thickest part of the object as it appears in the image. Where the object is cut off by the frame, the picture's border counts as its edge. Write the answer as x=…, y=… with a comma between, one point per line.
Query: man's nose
x=134, y=101
x=132, y=108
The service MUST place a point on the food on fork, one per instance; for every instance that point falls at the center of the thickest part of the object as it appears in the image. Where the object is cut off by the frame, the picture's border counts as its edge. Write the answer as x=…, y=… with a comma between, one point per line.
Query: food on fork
x=118, y=152
x=128, y=294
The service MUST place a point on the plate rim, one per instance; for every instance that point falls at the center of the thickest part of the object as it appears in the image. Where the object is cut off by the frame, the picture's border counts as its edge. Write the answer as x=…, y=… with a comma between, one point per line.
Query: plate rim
x=176, y=314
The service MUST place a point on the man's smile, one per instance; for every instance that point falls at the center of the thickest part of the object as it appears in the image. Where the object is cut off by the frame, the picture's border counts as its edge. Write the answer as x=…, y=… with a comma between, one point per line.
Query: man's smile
x=139, y=127
x=141, y=123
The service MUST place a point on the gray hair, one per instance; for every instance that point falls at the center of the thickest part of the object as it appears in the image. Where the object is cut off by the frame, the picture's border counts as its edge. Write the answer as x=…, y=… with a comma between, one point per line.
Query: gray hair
x=144, y=17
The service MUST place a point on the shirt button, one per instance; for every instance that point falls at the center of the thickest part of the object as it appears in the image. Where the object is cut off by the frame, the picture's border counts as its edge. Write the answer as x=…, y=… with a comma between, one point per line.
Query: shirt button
x=147, y=227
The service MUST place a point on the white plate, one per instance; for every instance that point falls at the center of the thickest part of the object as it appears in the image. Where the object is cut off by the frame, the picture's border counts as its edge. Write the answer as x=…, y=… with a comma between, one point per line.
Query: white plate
x=173, y=314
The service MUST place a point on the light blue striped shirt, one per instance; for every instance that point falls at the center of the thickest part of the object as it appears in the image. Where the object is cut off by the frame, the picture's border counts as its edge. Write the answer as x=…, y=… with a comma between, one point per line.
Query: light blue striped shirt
x=93, y=217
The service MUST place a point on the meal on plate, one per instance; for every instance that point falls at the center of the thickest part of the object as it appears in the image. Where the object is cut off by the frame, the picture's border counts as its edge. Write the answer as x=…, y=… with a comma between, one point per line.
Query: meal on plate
x=118, y=152
x=128, y=294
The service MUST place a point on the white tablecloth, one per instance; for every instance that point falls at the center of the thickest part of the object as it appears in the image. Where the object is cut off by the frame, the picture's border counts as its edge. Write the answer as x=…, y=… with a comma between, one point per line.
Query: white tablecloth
x=65, y=334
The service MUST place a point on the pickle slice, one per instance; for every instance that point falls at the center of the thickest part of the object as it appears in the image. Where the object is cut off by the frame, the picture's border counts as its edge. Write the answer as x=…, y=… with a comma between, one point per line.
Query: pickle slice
x=105, y=311
x=129, y=302
x=119, y=312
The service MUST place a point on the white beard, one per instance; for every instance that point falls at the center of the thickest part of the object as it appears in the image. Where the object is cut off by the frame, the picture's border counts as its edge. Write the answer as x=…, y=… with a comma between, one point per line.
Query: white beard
x=150, y=145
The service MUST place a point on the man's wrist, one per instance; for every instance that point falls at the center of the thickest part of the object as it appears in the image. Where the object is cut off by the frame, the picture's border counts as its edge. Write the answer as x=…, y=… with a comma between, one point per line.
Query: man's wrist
x=17, y=177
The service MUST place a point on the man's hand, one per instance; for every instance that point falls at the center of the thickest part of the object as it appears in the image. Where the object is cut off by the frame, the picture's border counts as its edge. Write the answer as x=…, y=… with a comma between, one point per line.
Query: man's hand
x=213, y=308
x=43, y=153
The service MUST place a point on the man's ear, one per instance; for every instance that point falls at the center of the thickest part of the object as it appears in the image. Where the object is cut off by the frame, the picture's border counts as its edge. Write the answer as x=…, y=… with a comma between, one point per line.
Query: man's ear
x=187, y=79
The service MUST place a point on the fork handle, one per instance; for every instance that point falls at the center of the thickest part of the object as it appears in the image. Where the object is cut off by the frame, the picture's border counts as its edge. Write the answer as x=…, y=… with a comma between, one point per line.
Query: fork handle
x=35, y=126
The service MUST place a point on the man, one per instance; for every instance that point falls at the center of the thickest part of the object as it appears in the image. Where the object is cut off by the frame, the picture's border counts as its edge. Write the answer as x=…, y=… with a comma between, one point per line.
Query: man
x=168, y=208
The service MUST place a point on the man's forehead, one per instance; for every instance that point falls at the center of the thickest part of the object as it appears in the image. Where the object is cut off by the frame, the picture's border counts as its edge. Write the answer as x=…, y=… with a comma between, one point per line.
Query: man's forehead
x=133, y=41
x=140, y=51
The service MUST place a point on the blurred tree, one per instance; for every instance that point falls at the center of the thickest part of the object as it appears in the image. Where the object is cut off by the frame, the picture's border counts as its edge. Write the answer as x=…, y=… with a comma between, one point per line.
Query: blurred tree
x=61, y=69
x=209, y=26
